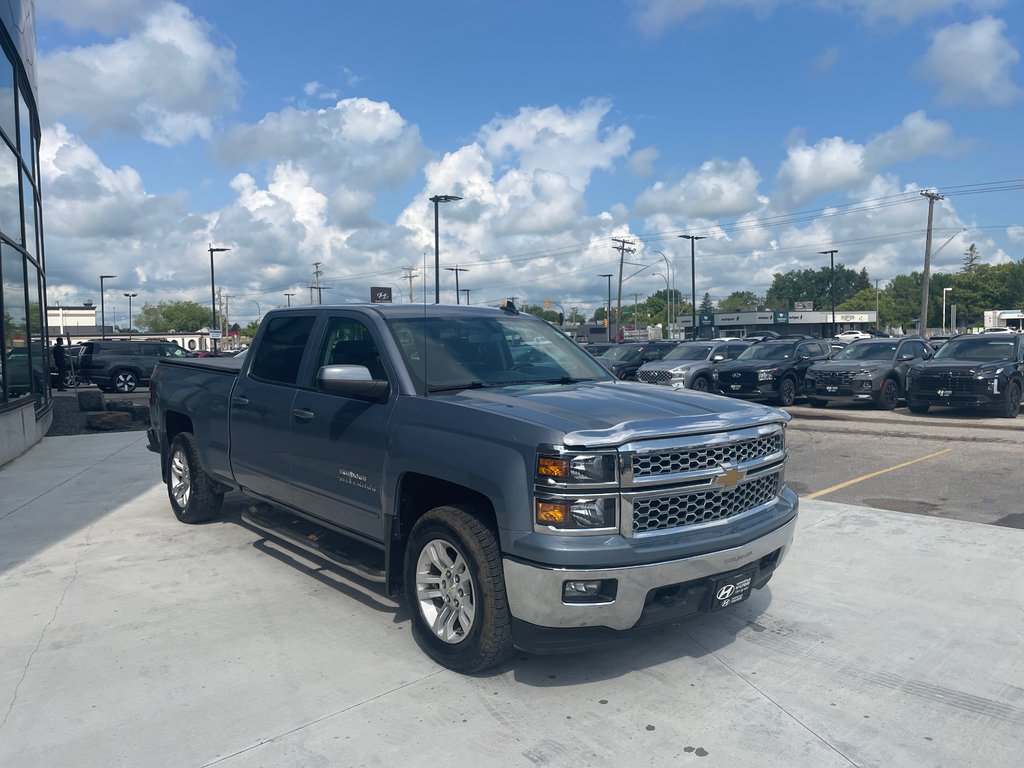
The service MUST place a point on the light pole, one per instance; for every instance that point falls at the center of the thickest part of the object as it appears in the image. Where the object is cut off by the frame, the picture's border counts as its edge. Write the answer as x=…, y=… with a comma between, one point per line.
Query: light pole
x=693, y=276
x=103, y=309
x=669, y=293
x=456, y=269
x=608, y=314
x=289, y=297
x=436, y=200
x=130, y=297
x=466, y=291
x=213, y=295
x=259, y=311
x=832, y=283
x=944, y=292
x=666, y=291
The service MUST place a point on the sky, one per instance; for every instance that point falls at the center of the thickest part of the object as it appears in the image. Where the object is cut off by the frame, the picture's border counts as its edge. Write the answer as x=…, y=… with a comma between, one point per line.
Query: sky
x=308, y=138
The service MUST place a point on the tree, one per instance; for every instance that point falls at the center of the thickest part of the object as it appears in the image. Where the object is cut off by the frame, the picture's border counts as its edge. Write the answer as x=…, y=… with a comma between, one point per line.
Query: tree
x=866, y=299
x=816, y=286
x=738, y=301
x=971, y=258
x=182, y=316
x=706, y=304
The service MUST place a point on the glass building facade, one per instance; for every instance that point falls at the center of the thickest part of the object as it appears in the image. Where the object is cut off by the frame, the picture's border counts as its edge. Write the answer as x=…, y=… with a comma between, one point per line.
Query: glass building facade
x=25, y=405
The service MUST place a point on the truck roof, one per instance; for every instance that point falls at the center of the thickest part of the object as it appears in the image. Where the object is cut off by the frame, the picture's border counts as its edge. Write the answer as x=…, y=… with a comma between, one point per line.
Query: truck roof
x=405, y=310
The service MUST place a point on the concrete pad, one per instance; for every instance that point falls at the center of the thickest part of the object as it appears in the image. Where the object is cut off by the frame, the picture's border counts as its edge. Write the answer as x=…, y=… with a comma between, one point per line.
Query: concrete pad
x=130, y=639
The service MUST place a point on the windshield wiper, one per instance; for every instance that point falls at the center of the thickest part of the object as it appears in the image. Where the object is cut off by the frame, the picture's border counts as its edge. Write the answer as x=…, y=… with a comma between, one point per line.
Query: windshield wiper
x=468, y=385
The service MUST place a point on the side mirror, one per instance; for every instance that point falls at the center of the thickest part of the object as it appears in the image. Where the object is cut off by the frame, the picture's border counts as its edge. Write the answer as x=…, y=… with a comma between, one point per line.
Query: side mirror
x=802, y=357
x=717, y=358
x=352, y=381
x=904, y=357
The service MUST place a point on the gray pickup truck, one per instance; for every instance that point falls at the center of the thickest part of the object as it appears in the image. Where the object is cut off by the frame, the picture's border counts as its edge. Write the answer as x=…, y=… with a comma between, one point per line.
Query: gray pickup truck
x=485, y=465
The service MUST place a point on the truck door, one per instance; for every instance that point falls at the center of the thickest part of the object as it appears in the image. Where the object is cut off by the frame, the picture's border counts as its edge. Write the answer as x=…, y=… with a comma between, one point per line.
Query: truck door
x=261, y=408
x=338, y=443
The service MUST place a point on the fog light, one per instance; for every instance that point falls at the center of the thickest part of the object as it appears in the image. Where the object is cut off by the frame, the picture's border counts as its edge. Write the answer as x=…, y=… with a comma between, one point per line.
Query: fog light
x=591, y=591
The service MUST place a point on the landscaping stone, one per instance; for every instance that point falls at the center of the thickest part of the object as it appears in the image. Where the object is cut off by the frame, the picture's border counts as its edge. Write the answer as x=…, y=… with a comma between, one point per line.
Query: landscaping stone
x=91, y=400
x=108, y=420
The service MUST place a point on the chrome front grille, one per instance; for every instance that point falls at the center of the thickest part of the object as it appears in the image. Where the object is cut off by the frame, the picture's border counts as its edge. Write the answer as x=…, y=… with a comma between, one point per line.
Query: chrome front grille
x=654, y=377
x=703, y=457
x=960, y=381
x=661, y=513
x=672, y=483
x=834, y=379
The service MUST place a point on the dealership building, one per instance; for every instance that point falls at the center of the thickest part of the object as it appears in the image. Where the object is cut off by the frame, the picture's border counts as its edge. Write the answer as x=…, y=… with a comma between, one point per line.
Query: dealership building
x=25, y=405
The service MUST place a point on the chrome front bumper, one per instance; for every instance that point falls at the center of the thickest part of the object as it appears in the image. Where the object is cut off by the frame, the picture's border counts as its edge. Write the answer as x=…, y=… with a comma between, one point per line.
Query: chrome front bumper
x=535, y=593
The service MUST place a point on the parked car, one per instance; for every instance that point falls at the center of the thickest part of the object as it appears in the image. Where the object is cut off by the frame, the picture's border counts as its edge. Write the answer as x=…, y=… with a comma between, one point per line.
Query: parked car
x=598, y=348
x=866, y=369
x=624, y=360
x=936, y=340
x=121, y=366
x=761, y=336
x=852, y=335
x=770, y=370
x=984, y=370
x=690, y=365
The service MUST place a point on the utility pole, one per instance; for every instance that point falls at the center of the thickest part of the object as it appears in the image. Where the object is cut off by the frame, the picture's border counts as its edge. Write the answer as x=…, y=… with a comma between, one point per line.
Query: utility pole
x=456, y=269
x=926, y=275
x=832, y=283
x=410, y=273
x=316, y=276
x=623, y=247
x=878, y=325
x=289, y=297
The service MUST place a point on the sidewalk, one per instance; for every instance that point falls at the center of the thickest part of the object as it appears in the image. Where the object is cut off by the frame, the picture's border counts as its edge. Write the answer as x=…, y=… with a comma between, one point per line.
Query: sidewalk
x=129, y=639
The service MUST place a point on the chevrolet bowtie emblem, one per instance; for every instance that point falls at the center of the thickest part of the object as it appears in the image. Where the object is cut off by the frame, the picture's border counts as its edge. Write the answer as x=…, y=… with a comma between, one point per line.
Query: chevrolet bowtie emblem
x=730, y=478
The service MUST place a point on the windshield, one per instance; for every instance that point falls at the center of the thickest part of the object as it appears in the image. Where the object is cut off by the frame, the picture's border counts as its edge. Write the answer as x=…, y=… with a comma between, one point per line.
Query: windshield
x=690, y=352
x=767, y=352
x=449, y=353
x=872, y=350
x=988, y=347
x=624, y=352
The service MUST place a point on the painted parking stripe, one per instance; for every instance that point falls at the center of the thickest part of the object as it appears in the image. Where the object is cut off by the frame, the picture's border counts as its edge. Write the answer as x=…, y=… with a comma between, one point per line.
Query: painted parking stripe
x=862, y=478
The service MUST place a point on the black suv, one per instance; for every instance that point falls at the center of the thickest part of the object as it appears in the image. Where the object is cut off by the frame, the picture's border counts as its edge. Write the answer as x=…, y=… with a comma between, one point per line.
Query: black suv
x=867, y=369
x=122, y=366
x=623, y=360
x=979, y=371
x=770, y=370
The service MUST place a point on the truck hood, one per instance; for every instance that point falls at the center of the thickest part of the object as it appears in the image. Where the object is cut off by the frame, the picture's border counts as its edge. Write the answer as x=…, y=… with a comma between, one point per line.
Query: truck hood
x=595, y=414
x=960, y=366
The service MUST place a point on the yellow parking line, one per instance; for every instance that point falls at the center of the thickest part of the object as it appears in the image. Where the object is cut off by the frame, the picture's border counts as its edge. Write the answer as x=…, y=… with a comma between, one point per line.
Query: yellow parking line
x=855, y=480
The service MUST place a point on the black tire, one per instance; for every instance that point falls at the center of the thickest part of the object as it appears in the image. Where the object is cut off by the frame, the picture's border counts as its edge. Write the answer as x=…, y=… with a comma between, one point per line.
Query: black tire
x=888, y=396
x=69, y=380
x=918, y=407
x=124, y=381
x=1010, y=406
x=701, y=384
x=447, y=545
x=817, y=402
x=194, y=497
x=787, y=392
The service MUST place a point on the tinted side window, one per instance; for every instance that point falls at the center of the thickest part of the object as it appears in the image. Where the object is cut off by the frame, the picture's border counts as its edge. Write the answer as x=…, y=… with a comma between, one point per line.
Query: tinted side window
x=279, y=352
x=732, y=350
x=810, y=350
x=148, y=350
x=348, y=342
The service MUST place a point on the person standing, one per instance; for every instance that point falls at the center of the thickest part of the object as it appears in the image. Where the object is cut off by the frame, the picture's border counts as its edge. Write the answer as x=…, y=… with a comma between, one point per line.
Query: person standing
x=60, y=360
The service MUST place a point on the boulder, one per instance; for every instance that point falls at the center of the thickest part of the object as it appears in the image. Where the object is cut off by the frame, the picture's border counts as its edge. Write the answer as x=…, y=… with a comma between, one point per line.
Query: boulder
x=108, y=420
x=91, y=400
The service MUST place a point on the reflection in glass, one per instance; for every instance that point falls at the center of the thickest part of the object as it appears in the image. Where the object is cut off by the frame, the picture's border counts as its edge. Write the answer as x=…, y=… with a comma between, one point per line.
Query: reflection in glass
x=10, y=210
x=37, y=335
x=7, y=122
x=30, y=215
x=25, y=121
x=17, y=379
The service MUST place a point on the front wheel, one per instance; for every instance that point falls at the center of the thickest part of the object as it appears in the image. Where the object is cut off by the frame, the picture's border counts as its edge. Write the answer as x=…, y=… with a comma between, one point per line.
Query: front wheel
x=888, y=395
x=194, y=497
x=1011, y=404
x=455, y=586
x=701, y=384
x=787, y=392
x=125, y=381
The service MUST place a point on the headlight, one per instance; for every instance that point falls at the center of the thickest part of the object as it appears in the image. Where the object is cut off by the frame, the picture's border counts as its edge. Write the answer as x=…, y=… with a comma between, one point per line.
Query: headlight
x=582, y=514
x=866, y=372
x=575, y=469
x=679, y=371
x=766, y=375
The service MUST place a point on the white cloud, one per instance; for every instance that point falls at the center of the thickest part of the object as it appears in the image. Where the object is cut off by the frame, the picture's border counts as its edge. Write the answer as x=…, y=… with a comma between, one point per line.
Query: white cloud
x=166, y=83
x=1015, y=234
x=107, y=16
x=809, y=171
x=641, y=163
x=717, y=189
x=915, y=136
x=972, y=64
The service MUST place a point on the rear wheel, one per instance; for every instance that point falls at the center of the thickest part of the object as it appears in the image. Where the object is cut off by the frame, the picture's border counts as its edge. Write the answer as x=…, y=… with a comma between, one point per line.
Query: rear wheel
x=787, y=392
x=455, y=586
x=124, y=381
x=1011, y=403
x=701, y=384
x=888, y=395
x=194, y=497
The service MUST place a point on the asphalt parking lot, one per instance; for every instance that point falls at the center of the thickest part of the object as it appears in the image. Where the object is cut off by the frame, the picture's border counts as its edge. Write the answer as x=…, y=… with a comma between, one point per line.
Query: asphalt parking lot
x=885, y=639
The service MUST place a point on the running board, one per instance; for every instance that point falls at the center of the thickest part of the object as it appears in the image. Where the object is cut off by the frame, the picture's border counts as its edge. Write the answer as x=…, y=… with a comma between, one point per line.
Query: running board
x=315, y=540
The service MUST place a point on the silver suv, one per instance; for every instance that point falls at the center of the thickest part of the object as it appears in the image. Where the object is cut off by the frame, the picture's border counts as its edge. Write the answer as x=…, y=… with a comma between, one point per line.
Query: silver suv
x=690, y=364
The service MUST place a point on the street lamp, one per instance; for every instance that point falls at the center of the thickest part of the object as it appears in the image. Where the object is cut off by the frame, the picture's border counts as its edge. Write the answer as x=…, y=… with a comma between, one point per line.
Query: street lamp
x=466, y=291
x=832, y=284
x=259, y=311
x=289, y=297
x=608, y=314
x=666, y=291
x=456, y=269
x=103, y=310
x=213, y=295
x=693, y=276
x=669, y=292
x=130, y=297
x=436, y=199
x=944, y=292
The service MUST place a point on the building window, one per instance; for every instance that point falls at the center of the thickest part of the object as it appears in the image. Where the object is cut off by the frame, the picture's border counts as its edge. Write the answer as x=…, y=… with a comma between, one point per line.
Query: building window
x=17, y=371
x=10, y=209
x=29, y=196
x=25, y=123
x=7, y=118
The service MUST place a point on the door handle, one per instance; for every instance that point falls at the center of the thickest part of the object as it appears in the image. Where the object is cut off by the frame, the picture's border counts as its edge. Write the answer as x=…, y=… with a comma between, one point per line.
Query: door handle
x=302, y=414
x=239, y=402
